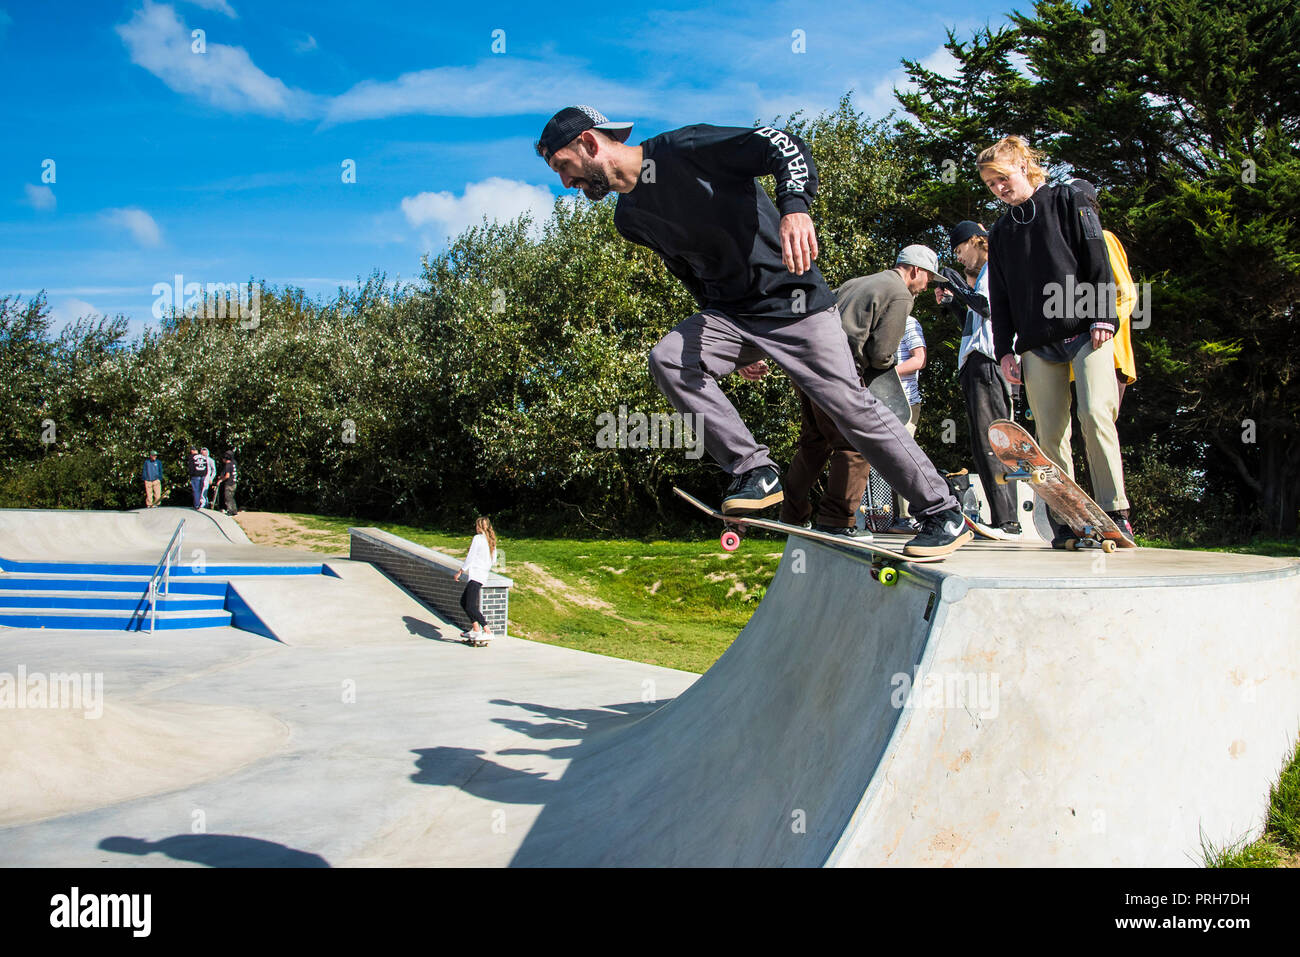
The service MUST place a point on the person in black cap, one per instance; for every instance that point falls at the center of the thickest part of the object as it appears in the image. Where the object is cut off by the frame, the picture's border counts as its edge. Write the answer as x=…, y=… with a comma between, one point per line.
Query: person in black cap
x=152, y=474
x=987, y=394
x=692, y=196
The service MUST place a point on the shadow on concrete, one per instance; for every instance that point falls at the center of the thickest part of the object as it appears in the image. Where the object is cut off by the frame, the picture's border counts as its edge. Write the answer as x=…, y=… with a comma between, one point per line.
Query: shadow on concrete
x=423, y=629
x=469, y=770
x=216, y=850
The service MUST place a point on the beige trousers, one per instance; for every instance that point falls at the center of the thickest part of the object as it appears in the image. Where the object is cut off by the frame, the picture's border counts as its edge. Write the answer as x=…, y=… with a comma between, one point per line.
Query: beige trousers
x=152, y=493
x=1048, y=387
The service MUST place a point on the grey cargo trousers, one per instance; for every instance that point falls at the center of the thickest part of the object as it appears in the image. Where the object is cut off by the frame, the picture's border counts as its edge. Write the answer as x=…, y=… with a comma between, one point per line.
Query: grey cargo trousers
x=814, y=352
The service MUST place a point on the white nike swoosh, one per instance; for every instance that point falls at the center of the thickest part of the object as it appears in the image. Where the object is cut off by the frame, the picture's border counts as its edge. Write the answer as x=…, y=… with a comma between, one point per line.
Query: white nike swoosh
x=768, y=486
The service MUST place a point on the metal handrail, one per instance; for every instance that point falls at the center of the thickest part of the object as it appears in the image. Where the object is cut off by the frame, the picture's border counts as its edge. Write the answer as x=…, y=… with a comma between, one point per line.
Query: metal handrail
x=162, y=571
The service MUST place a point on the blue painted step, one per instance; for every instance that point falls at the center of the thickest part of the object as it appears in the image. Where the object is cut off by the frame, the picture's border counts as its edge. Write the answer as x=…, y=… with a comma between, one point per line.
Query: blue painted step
x=178, y=571
x=110, y=621
x=47, y=598
x=114, y=596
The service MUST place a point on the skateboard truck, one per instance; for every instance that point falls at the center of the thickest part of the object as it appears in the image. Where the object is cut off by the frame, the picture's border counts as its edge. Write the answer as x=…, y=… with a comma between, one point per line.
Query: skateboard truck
x=1035, y=475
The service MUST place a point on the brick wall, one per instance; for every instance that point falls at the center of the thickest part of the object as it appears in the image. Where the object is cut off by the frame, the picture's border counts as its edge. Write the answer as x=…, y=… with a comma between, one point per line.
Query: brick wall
x=428, y=575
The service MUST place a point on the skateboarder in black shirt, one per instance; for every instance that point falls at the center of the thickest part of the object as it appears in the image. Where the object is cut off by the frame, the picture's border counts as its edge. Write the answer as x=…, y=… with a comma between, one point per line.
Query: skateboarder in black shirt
x=691, y=196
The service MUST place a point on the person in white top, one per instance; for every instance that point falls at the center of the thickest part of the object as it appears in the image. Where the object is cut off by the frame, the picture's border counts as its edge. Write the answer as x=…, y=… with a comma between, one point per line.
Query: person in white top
x=207, y=479
x=482, y=554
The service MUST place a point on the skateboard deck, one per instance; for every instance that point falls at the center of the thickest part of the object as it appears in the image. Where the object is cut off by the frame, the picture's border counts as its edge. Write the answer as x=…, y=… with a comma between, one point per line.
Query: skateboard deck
x=987, y=531
x=886, y=386
x=1025, y=461
x=731, y=534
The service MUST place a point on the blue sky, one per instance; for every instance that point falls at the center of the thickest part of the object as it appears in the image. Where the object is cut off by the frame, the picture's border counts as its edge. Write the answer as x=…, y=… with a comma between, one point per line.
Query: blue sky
x=227, y=163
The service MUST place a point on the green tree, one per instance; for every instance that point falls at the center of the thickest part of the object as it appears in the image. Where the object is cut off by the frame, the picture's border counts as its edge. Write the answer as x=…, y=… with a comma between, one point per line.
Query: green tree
x=1186, y=113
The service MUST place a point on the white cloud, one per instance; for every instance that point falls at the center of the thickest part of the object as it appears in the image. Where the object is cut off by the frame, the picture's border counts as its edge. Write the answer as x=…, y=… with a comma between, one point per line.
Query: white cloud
x=40, y=197
x=224, y=76
x=498, y=86
x=219, y=6
x=70, y=310
x=880, y=99
x=443, y=214
x=305, y=46
x=138, y=223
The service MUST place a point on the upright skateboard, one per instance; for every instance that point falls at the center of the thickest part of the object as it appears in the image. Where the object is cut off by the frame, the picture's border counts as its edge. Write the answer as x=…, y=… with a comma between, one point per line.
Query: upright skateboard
x=734, y=527
x=886, y=386
x=1025, y=461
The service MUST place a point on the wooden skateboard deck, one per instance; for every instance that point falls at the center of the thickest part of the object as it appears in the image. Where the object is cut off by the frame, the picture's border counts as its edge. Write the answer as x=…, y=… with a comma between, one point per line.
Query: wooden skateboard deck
x=734, y=523
x=886, y=386
x=1025, y=461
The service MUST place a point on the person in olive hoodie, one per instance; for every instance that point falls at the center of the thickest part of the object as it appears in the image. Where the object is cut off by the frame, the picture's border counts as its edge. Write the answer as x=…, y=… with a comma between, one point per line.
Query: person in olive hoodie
x=1052, y=303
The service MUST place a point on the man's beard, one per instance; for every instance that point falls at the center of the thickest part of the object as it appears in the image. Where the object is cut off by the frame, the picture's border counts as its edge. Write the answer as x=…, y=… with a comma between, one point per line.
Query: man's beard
x=597, y=187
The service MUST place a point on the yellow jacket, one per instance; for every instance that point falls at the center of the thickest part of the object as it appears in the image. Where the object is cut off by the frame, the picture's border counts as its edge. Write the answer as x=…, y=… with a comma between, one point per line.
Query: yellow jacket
x=1125, y=300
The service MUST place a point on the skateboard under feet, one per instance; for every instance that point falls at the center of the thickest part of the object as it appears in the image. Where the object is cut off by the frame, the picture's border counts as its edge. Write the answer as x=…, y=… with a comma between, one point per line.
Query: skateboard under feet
x=735, y=526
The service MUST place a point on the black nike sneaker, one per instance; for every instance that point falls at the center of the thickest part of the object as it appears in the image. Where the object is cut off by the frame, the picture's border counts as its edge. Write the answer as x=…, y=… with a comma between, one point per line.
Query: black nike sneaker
x=754, y=491
x=940, y=534
x=850, y=531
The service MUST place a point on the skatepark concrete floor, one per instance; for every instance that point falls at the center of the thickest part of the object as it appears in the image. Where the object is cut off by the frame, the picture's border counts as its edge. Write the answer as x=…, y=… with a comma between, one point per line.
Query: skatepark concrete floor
x=1120, y=715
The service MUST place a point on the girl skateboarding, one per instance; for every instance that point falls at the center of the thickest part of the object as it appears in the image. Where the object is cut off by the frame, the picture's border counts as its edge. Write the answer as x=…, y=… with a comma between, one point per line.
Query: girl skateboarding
x=482, y=553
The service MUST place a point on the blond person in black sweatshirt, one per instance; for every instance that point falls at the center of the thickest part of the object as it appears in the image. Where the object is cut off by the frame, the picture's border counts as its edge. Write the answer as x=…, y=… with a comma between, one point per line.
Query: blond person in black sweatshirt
x=1052, y=303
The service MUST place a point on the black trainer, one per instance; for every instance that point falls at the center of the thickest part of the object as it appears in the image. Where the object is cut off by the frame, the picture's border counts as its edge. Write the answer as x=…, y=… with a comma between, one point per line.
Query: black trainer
x=941, y=534
x=1010, y=528
x=850, y=531
x=754, y=491
x=1062, y=535
x=1120, y=518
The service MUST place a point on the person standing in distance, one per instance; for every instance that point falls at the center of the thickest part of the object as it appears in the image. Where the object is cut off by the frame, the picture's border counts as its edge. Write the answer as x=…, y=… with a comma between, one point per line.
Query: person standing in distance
x=152, y=474
x=197, y=466
x=692, y=196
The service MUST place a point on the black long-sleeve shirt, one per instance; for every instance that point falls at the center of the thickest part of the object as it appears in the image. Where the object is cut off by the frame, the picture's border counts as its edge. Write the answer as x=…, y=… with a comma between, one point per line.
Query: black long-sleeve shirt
x=699, y=206
x=1042, y=254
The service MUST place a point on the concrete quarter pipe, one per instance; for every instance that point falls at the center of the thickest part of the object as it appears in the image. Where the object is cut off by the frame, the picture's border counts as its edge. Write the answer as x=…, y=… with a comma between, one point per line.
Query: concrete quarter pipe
x=1012, y=706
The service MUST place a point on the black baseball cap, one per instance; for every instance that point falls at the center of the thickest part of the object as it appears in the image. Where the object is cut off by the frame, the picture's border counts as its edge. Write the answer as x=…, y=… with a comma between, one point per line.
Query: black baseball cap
x=964, y=231
x=571, y=122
